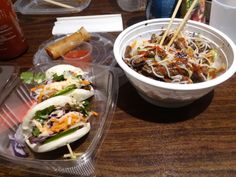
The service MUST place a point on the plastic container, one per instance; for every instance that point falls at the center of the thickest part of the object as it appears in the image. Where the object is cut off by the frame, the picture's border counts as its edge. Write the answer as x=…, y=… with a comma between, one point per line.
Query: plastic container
x=12, y=41
x=102, y=45
x=42, y=7
x=16, y=101
x=223, y=13
x=8, y=73
x=132, y=5
x=82, y=53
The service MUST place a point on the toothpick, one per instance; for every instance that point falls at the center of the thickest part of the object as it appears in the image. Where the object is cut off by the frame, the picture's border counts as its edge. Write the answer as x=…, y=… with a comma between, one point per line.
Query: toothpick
x=71, y=155
x=75, y=154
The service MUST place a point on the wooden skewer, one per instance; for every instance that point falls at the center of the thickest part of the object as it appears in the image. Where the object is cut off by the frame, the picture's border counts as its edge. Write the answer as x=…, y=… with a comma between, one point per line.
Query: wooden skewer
x=72, y=155
x=59, y=4
x=75, y=154
x=184, y=21
x=171, y=21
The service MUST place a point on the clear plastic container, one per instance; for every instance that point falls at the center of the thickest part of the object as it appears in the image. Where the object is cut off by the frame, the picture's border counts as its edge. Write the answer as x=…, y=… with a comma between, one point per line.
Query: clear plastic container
x=42, y=7
x=81, y=53
x=8, y=73
x=132, y=5
x=102, y=46
x=16, y=101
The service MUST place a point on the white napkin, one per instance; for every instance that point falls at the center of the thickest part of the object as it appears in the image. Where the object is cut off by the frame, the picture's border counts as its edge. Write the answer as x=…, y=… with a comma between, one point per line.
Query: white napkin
x=93, y=23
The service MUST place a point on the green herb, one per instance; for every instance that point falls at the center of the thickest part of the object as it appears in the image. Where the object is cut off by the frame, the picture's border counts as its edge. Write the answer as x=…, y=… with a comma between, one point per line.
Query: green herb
x=58, y=78
x=35, y=131
x=61, y=134
x=29, y=77
x=65, y=90
x=79, y=77
x=85, y=108
x=43, y=114
x=39, y=77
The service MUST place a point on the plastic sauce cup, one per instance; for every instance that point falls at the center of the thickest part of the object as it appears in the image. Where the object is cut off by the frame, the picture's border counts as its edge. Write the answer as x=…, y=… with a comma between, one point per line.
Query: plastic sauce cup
x=81, y=53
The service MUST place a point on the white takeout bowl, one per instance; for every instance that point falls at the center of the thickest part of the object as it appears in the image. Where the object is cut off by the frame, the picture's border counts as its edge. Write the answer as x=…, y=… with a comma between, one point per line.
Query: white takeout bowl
x=170, y=94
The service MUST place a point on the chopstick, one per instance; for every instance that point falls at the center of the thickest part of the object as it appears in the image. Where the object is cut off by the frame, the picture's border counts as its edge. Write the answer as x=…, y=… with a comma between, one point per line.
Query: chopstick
x=171, y=21
x=184, y=21
x=59, y=4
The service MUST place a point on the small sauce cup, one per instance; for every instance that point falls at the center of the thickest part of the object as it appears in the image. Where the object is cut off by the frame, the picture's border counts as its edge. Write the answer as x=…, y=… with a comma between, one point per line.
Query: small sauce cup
x=81, y=53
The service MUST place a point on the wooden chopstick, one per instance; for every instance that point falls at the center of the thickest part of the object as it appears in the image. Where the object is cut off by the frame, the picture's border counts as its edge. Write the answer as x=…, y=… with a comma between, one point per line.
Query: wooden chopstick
x=171, y=21
x=59, y=4
x=184, y=21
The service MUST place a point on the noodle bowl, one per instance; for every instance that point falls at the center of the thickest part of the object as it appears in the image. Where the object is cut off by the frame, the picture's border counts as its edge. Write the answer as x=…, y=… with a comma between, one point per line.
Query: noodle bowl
x=199, y=60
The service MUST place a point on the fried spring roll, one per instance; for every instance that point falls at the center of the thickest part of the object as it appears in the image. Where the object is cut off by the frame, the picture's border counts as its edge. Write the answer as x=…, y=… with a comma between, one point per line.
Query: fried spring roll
x=62, y=46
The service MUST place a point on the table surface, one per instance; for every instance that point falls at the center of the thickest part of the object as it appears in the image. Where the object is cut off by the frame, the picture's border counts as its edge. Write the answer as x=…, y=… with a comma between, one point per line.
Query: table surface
x=144, y=140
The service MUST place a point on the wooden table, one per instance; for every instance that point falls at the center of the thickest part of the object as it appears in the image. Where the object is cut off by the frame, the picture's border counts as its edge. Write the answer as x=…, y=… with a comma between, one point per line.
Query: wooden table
x=143, y=140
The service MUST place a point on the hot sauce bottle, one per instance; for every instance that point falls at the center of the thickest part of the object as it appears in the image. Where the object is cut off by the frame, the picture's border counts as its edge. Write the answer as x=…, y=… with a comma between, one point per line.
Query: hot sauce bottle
x=12, y=41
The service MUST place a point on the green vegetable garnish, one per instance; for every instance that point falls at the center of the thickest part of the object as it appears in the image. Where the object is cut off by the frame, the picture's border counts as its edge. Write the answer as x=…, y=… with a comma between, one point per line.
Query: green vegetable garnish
x=58, y=78
x=29, y=77
x=61, y=134
x=65, y=90
x=35, y=132
x=39, y=77
x=85, y=108
x=79, y=77
x=43, y=114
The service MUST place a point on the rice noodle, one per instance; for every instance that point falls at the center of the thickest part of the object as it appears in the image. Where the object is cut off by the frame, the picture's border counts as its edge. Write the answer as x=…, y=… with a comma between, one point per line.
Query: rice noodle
x=190, y=59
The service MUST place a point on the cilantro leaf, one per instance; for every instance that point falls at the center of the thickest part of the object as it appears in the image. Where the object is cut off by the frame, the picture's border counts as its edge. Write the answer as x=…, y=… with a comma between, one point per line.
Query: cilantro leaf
x=43, y=114
x=58, y=77
x=35, y=131
x=27, y=77
x=39, y=77
x=84, y=109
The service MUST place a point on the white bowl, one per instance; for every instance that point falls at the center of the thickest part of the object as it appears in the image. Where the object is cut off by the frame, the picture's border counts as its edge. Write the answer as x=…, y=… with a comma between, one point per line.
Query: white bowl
x=170, y=94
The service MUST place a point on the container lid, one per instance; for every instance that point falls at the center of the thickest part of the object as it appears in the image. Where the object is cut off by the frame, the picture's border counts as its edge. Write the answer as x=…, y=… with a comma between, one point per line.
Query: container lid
x=8, y=74
x=50, y=6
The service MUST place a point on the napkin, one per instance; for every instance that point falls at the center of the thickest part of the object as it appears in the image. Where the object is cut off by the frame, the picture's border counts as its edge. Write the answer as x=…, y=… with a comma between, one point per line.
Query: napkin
x=92, y=23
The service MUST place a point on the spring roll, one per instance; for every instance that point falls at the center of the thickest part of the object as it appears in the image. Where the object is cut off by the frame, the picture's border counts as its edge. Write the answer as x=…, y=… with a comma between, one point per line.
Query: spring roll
x=64, y=45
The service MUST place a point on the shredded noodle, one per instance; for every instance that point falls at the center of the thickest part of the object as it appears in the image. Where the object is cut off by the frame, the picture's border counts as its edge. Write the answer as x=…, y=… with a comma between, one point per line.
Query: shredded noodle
x=190, y=59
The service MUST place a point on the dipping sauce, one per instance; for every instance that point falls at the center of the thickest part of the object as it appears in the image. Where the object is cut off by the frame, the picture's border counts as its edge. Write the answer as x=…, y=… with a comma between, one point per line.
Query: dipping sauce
x=76, y=53
x=81, y=53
